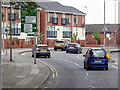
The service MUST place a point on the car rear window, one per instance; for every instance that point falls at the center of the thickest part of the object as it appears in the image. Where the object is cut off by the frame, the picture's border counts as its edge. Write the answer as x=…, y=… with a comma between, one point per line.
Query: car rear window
x=98, y=53
x=71, y=45
x=59, y=42
x=42, y=47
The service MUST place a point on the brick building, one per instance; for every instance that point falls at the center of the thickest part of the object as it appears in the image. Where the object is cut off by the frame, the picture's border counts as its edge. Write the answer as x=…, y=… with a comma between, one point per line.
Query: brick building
x=59, y=22
x=110, y=34
x=117, y=37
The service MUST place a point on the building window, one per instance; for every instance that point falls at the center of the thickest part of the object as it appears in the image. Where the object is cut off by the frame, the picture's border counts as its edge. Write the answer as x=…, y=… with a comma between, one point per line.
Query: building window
x=63, y=19
x=51, y=32
x=27, y=41
x=16, y=11
x=83, y=20
x=30, y=34
x=48, y=17
x=75, y=19
x=15, y=29
x=76, y=31
x=55, y=19
x=69, y=19
x=66, y=32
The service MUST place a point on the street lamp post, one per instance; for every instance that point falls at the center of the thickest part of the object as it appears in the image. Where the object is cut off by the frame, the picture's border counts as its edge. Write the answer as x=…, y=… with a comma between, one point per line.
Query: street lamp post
x=11, y=7
x=104, y=24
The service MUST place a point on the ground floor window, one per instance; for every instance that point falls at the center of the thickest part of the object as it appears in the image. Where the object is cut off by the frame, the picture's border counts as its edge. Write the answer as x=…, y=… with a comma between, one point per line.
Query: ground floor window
x=27, y=41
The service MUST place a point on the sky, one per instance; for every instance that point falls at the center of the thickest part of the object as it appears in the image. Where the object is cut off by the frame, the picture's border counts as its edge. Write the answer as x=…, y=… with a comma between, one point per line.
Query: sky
x=95, y=10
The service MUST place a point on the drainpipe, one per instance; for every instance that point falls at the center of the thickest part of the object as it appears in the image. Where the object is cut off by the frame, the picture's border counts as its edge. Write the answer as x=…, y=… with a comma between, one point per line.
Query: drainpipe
x=46, y=27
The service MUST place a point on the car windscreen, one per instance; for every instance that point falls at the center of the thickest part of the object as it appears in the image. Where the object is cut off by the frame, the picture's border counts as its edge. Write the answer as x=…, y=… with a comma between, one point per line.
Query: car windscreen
x=98, y=53
x=59, y=42
x=42, y=47
x=66, y=42
x=71, y=45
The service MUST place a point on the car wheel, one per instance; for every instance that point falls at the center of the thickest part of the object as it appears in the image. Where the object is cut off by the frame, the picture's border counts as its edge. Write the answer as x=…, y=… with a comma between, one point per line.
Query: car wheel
x=49, y=56
x=55, y=49
x=66, y=51
x=77, y=52
x=84, y=66
x=87, y=68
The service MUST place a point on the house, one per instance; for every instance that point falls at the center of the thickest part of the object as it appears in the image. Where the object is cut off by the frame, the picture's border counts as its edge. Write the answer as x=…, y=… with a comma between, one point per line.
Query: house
x=110, y=33
x=55, y=21
x=117, y=37
x=19, y=39
x=59, y=22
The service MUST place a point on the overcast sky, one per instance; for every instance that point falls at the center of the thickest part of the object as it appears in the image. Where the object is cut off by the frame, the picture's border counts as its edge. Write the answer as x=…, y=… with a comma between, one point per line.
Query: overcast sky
x=95, y=10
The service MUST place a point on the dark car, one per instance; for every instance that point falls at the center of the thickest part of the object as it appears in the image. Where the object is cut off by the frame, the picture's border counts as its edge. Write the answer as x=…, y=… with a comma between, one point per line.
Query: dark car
x=96, y=58
x=74, y=48
x=41, y=50
x=61, y=45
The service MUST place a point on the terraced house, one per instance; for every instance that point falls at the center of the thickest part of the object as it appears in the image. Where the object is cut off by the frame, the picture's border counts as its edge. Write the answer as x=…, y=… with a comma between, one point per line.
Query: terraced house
x=59, y=22
x=55, y=21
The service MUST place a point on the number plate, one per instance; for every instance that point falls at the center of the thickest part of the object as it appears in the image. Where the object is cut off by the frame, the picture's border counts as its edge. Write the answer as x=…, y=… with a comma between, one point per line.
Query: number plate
x=58, y=45
x=98, y=61
x=43, y=50
x=71, y=47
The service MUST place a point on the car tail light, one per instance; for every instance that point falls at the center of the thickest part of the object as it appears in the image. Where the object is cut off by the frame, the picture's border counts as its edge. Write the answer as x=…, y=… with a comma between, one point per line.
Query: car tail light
x=67, y=46
x=48, y=49
x=76, y=46
x=37, y=48
x=90, y=54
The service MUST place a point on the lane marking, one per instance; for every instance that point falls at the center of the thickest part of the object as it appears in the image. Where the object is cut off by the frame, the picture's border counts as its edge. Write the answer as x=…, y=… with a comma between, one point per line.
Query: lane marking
x=115, y=67
x=76, y=64
x=91, y=86
x=78, y=56
x=116, y=63
x=25, y=53
x=87, y=73
x=66, y=60
x=55, y=74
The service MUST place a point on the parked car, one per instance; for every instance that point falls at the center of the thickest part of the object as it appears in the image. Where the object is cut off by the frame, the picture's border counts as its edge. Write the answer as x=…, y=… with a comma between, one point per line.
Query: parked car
x=74, y=48
x=61, y=45
x=96, y=58
x=42, y=50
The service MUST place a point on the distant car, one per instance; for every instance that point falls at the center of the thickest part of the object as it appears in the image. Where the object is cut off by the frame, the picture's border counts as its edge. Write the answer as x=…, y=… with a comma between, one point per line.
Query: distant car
x=61, y=45
x=96, y=58
x=41, y=50
x=74, y=48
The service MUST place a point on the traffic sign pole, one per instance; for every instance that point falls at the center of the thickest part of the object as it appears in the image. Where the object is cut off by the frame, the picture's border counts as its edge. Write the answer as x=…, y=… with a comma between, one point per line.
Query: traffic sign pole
x=34, y=47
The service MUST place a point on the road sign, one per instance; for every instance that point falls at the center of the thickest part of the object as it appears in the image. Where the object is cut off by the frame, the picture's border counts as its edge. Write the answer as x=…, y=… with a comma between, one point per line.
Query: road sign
x=108, y=53
x=28, y=22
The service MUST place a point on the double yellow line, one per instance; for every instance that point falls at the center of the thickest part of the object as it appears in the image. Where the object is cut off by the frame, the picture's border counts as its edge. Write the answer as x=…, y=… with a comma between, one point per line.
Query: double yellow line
x=54, y=71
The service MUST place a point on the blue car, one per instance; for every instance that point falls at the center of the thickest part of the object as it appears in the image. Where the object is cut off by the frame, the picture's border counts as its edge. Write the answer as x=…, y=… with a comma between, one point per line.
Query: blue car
x=96, y=58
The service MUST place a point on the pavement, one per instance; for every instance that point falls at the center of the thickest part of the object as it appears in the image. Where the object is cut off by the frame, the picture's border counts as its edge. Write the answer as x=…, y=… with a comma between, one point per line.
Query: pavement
x=22, y=72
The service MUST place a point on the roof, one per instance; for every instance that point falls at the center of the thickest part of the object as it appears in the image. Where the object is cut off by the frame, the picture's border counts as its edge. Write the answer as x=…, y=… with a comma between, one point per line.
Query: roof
x=110, y=28
x=57, y=7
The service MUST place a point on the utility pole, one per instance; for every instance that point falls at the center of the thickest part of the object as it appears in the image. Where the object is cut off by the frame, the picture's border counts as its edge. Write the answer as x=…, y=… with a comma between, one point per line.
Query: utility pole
x=10, y=31
x=104, y=24
x=34, y=47
x=0, y=39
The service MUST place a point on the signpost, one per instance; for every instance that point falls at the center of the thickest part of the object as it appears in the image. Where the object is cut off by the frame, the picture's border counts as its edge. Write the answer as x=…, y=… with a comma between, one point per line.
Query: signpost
x=29, y=25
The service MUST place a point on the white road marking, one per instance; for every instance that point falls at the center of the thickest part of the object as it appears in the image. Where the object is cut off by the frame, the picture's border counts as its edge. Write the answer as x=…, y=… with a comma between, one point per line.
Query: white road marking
x=66, y=60
x=116, y=63
x=2, y=53
x=115, y=67
x=91, y=87
x=87, y=73
x=76, y=64
x=78, y=56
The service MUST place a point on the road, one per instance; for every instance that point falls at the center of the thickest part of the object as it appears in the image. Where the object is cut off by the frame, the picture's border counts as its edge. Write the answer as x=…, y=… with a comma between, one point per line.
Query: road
x=69, y=72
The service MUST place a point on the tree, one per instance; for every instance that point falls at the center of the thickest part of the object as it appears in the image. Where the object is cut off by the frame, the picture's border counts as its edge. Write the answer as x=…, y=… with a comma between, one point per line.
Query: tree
x=73, y=37
x=40, y=37
x=96, y=36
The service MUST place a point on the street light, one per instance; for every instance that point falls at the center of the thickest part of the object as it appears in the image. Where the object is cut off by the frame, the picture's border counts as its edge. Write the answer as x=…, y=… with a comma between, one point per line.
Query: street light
x=11, y=7
x=104, y=24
